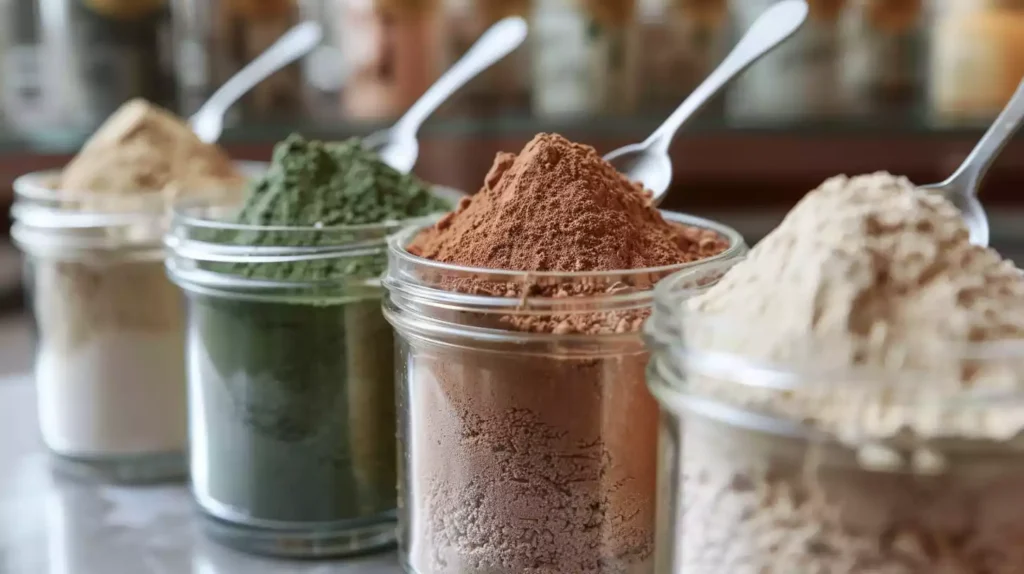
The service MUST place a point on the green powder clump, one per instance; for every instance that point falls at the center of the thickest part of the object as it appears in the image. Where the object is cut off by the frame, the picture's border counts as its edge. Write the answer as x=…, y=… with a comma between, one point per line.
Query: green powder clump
x=321, y=185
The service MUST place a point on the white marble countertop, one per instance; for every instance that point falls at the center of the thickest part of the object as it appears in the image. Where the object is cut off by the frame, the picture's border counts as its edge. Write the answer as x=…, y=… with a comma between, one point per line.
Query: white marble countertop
x=52, y=525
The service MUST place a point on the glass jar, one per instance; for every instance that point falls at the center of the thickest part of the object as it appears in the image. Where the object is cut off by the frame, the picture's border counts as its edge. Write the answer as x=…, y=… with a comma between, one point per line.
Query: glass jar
x=109, y=364
x=526, y=445
x=808, y=468
x=291, y=393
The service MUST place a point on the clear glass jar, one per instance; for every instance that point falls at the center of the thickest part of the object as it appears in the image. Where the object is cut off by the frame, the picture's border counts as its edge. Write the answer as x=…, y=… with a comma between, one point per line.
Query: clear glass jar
x=808, y=468
x=291, y=392
x=524, y=447
x=109, y=364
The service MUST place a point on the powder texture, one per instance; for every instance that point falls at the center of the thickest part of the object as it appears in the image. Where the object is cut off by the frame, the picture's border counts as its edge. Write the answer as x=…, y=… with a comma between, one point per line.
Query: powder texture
x=913, y=476
x=541, y=462
x=558, y=206
x=143, y=148
x=870, y=272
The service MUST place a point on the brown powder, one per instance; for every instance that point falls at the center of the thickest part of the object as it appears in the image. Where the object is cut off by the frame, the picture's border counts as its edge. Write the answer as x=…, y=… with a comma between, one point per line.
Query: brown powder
x=541, y=462
x=558, y=206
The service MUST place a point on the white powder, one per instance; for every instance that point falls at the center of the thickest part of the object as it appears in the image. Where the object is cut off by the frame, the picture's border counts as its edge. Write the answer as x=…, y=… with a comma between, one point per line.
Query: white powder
x=118, y=393
x=868, y=275
x=110, y=367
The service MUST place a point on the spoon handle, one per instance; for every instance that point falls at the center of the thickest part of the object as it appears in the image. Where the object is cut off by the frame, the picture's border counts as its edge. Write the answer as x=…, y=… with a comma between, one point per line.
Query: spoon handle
x=973, y=168
x=291, y=46
x=769, y=30
x=496, y=42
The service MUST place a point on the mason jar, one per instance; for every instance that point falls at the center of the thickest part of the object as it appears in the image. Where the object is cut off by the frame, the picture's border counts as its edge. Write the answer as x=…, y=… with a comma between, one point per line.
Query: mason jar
x=109, y=365
x=805, y=467
x=291, y=390
x=527, y=434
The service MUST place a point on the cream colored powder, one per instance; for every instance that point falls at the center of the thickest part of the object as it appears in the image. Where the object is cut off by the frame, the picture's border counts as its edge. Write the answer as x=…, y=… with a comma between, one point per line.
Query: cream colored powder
x=143, y=148
x=870, y=272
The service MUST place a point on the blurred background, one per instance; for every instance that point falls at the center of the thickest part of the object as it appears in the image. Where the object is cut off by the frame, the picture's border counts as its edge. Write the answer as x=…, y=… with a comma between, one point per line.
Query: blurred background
x=900, y=85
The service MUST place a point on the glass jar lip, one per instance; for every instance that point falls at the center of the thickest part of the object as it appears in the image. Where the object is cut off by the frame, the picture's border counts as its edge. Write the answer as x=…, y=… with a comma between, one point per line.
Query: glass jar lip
x=737, y=246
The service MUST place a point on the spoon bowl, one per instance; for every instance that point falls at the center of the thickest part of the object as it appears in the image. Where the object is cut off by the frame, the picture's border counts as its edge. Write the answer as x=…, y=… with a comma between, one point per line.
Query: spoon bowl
x=656, y=169
x=648, y=163
x=961, y=188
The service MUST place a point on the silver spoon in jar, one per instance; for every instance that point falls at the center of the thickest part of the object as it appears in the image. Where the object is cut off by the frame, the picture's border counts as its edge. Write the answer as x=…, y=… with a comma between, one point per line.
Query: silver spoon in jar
x=648, y=162
x=397, y=145
x=961, y=188
x=208, y=121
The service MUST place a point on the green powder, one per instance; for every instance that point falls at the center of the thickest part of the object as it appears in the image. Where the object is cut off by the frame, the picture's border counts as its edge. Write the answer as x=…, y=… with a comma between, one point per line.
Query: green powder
x=297, y=386
x=321, y=185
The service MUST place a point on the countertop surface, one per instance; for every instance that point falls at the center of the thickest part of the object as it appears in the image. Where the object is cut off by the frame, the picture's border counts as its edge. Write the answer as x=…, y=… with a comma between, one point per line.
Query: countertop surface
x=50, y=524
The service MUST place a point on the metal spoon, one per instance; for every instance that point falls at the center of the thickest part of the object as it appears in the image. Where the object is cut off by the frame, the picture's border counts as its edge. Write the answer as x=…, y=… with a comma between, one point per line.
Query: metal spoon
x=648, y=162
x=961, y=188
x=208, y=121
x=397, y=146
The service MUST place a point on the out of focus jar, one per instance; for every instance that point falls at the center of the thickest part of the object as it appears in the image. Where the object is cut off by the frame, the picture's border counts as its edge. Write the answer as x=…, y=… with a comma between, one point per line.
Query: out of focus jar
x=109, y=365
x=585, y=57
x=216, y=38
x=799, y=78
x=748, y=484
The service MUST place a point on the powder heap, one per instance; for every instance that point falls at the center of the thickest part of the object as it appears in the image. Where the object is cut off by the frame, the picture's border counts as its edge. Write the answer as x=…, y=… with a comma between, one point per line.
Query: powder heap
x=558, y=206
x=143, y=148
x=869, y=273
x=322, y=185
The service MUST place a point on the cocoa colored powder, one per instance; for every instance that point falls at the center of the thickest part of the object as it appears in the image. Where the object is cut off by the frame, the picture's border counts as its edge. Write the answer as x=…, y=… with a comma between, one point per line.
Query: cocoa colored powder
x=558, y=206
x=541, y=462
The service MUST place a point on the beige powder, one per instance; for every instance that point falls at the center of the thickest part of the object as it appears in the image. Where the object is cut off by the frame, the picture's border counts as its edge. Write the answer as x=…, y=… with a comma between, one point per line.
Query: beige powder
x=870, y=274
x=143, y=148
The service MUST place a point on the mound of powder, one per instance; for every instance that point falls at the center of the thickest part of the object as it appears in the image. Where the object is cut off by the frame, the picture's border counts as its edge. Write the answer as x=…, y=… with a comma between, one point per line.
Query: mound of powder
x=871, y=272
x=144, y=148
x=558, y=206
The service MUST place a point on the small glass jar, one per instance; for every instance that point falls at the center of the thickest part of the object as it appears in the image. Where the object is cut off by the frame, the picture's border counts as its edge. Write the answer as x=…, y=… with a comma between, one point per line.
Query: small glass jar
x=526, y=445
x=109, y=364
x=804, y=467
x=290, y=373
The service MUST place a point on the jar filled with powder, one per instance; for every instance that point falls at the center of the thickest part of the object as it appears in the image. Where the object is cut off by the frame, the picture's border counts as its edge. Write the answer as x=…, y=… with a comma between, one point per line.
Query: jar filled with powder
x=290, y=361
x=845, y=399
x=109, y=366
x=527, y=433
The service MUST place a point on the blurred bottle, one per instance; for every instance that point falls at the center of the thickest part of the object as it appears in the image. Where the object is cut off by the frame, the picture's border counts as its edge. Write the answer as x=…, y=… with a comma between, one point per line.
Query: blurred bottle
x=30, y=93
x=392, y=51
x=507, y=83
x=799, y=78
x=585, y=56
x=71, y=63
x=683, y=41
x=977, y=57
x=216, y=38
x=884, y=49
